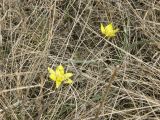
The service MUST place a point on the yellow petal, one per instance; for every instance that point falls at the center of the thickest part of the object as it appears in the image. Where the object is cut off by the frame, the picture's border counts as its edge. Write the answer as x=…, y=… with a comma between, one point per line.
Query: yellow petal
x=102, y=29
x=116, y=30
x=109, y=31
x=60, y=78
x=60, y=70
x=58, y=83
x=51, y=71
x=69, y=81
x=112, y=35
x=68, y=75
x=52, y=76
x=109, y=27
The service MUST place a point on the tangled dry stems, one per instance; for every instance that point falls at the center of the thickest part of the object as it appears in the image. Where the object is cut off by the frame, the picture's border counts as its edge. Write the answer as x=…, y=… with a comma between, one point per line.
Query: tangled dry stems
x=35, y=34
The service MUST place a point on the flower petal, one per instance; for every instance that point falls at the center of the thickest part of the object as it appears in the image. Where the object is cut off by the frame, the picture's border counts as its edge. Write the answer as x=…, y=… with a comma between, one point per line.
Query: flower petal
x=52, y=76
x=60, y=78
x=116, y=30
x=68, y=75
x=51, y=71
x=60, y=70
x=69, y=81
x=58, y=83
x=109, y=27
x=102, y=29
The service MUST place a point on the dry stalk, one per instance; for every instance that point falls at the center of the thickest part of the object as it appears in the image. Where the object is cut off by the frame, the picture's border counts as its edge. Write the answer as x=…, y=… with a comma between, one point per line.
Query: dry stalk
x=105, y=93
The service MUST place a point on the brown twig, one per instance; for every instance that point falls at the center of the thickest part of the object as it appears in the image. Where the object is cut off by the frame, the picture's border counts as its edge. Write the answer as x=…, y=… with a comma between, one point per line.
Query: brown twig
x=105, y=94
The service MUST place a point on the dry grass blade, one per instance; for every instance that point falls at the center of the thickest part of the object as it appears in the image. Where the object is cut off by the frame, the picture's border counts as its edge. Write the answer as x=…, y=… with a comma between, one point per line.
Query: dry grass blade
x=106, y=92
x=37, y=34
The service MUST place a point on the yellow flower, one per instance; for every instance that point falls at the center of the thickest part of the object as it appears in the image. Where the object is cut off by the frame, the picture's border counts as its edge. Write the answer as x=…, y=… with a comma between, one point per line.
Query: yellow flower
x=59, y=76
x=108, y=30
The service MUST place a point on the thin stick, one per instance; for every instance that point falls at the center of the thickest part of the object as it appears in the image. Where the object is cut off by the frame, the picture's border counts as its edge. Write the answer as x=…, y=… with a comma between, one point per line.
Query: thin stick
x=19, y=88
x=105, y=94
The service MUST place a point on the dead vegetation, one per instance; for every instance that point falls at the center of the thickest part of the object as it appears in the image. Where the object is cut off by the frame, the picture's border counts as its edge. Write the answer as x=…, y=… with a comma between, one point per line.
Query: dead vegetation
x=35, y=34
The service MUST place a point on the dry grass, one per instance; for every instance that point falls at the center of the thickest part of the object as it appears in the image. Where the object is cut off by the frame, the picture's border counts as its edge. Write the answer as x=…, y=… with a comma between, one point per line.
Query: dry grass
x=35, y=34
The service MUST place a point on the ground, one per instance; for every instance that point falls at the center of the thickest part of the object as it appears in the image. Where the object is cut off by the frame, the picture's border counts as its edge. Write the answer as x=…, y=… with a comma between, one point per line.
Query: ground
x=114, y=78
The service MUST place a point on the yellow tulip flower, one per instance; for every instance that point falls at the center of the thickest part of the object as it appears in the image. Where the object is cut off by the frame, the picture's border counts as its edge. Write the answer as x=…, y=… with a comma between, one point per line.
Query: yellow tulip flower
x=108, y=30
x=59, y=76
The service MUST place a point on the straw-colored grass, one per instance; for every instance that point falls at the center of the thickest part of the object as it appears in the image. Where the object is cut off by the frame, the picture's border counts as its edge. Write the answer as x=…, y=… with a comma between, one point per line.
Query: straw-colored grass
x=37, y=34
